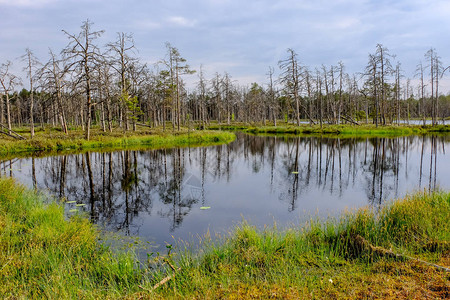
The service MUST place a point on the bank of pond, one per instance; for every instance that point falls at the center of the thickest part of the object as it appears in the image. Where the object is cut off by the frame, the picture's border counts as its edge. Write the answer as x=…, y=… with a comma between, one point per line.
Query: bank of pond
x=399, y=250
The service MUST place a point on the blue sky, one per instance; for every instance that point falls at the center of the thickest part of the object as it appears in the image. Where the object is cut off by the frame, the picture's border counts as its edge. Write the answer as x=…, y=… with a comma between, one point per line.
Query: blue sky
x=242, y=38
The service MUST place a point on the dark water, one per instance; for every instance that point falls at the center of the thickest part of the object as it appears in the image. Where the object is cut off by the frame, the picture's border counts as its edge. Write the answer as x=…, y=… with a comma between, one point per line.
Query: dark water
x=158, y=194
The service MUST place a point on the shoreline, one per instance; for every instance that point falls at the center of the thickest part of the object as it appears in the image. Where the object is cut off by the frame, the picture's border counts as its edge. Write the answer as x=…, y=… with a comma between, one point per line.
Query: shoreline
x=338, y=130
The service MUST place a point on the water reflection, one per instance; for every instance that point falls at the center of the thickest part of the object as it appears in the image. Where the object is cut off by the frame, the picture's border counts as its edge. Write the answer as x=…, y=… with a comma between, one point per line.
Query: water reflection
x=158, y=194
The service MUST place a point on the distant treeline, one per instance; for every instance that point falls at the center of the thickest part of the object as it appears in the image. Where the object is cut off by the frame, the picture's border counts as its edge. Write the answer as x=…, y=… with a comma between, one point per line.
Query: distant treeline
x=85, y=84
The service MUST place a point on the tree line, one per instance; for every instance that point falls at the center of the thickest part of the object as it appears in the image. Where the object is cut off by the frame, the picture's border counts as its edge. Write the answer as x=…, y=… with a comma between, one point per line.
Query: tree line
x=86, y=84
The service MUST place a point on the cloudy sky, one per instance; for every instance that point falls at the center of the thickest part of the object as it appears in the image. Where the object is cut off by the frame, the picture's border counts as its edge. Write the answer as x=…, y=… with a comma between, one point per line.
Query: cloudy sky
x=242, y=37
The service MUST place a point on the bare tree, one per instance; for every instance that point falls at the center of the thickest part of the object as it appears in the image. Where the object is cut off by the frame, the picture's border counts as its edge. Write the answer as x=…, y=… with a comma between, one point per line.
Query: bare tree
x=274, y=107
x=177, y=67
x=83, y=55
x=202, y=95
x=291, y=79
x=8, y=81
x=227, y=91
x=32, y=63
x=137, y=76
x=216, y=86
x=436, y=69
x=420, y=72
x=382, y=56
x=52, y=76
x=397, y=90
x=372, y=82
x=341, y=83
x=327, y=92
x=122, y=62
x=319, y=95
x=163, y=93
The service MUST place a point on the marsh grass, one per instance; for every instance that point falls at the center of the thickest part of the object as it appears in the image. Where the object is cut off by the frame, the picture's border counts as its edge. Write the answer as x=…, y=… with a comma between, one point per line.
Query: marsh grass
x=337, y=130
x=52, y=140
x=45, y=255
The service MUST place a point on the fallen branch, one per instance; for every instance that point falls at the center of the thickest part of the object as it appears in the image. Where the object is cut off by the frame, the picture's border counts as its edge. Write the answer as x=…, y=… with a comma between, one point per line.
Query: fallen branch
x=364, y=244
x=309, y=117
x=17, y=136
x=10, y=135
x=145, y=125
x=349, y=119
x=144, y=288
x=164, y=280
x=171, y=266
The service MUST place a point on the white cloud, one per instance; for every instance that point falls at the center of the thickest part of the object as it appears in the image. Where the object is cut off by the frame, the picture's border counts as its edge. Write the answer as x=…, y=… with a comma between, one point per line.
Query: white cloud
x=181, y=21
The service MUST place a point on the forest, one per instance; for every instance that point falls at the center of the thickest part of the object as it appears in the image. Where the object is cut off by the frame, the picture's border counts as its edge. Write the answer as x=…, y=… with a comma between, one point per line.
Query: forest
x=109, y=86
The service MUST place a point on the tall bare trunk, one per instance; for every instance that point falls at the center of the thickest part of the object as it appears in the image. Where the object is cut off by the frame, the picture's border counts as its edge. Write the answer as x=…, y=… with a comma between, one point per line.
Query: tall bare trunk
x=8, y=113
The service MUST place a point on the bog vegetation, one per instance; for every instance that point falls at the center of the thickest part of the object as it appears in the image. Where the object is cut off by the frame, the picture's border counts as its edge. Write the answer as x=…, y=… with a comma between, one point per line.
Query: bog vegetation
x=88, y=84
x=401, y=250
x=52, y=140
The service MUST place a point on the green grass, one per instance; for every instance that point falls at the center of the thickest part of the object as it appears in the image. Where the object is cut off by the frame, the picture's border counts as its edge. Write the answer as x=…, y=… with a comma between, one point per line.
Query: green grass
x=45, y=255
x=52, y=141
x=337, y=130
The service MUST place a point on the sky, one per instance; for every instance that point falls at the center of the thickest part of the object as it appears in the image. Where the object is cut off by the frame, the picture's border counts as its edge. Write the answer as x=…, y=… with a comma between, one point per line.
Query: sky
x=243, y=38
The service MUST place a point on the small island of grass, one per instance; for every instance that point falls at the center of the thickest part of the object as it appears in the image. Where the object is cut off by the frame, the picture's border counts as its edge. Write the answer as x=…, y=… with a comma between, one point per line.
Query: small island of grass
x=52, y=140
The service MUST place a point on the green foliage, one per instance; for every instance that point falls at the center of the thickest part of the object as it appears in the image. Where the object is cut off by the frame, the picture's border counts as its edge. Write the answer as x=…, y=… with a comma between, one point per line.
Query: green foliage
x=360, y=115
x=132, y=104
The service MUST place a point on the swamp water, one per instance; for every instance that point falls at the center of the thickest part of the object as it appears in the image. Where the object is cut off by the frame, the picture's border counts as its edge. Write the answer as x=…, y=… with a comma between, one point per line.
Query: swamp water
x=162, y=196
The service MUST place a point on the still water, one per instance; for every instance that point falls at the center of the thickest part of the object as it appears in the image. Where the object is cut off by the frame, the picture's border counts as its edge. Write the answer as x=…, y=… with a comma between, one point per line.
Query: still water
x=161, y=195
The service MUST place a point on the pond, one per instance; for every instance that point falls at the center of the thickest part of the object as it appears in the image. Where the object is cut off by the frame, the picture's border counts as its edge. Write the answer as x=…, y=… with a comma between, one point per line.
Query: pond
x=165, y=195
